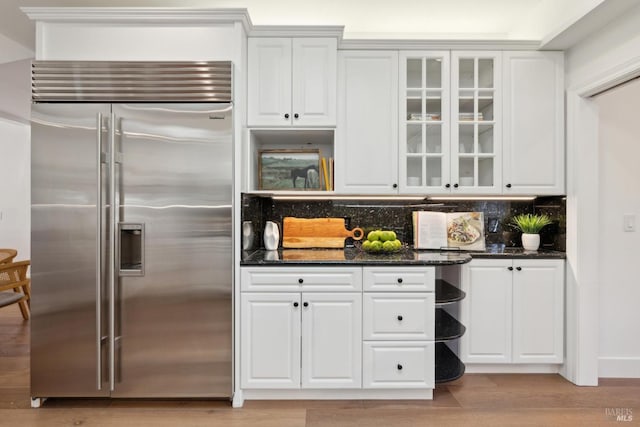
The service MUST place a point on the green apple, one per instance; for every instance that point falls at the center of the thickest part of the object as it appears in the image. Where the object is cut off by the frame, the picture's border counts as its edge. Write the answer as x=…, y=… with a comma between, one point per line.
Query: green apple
x=376, y=246
x=387, y=235
x=366, y=245
x=389, y=246
x=374, y=235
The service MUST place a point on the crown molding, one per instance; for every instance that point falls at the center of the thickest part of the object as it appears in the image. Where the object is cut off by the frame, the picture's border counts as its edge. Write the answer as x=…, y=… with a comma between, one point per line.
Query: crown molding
x=458, y=44
x=297, y=31
x=139, y=15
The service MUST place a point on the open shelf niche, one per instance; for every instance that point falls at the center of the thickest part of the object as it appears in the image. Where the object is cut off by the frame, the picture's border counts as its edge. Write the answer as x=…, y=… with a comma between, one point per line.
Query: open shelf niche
x=259, y=140
x=448, y=329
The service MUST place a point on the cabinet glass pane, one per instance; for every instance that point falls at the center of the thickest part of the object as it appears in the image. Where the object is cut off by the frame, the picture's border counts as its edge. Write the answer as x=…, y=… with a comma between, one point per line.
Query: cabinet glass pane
x=434, y=72
x=466, y=73
x=485, y=72
x=434, y=171
x=434, y=105
x=485, y=172
x=466, y=106
x=414, y=171
x=465, y=171
x=414, y=138
x=465, y=138
x=434, y=138
x=414, y=105
x=485, y=105
x=485, y=138
x=414, y=72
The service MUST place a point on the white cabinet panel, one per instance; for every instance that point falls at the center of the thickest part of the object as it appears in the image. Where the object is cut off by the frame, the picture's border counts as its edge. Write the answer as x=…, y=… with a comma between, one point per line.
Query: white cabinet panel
x=274, y=279
x=331, y=340
x=533, y=160
x=406, y=279
x=367, y=132
x=398, y=364
x=270, y=340
x=269, y=81
x=399, y=316
x=538, y=315
x=486, y=312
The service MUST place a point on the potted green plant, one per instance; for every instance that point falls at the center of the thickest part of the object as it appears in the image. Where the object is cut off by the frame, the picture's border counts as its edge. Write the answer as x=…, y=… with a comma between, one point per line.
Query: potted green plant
x=530, y=225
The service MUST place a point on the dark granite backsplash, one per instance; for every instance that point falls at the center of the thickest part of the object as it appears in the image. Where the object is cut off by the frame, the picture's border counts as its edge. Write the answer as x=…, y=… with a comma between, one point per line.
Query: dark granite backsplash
x=396, y=215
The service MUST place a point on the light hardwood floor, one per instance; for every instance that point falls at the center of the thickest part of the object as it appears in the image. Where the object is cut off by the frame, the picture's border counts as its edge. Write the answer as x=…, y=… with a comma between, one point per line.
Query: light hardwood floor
x=473, y=400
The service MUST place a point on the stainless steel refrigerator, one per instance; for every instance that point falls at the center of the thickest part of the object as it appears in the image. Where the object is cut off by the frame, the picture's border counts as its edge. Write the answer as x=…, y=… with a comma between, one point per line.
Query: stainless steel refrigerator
x=131, y=250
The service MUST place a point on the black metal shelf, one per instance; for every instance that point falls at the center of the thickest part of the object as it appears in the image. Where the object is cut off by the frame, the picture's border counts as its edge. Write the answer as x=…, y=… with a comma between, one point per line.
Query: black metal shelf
x=448, y=366
x=446, y=293
x=447, y=327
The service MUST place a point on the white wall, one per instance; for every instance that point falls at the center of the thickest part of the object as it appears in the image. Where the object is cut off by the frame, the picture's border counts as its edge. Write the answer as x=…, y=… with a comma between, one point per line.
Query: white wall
x=15, y=187
x=15, y=90
x=619, y=151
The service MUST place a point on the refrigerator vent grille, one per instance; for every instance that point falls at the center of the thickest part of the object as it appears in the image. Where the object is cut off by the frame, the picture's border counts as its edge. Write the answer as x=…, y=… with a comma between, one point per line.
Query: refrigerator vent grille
x=109, y=81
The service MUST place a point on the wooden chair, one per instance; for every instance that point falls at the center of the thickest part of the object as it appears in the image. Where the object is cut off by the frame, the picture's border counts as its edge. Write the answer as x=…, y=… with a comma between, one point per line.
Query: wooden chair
x=15, y=286
x=7, y=255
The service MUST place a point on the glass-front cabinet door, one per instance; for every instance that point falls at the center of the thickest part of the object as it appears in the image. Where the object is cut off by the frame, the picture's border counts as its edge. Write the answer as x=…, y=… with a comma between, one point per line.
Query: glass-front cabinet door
x=476, y=142
x=424, y=122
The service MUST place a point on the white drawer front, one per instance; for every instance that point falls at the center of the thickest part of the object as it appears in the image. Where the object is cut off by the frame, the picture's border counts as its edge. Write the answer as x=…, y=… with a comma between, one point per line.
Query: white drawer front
x=399, y=316
x=394, y=279
x=291, y=279
x=398, y=365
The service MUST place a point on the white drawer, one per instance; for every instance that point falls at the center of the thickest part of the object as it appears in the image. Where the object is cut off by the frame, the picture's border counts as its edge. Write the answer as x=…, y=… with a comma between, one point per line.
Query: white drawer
x=291, y=279
x=399, y=316
x=394, y=279
x=398, y=365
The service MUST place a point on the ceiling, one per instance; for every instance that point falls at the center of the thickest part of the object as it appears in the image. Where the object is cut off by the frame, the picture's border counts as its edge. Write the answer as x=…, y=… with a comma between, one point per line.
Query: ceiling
x=362, y=19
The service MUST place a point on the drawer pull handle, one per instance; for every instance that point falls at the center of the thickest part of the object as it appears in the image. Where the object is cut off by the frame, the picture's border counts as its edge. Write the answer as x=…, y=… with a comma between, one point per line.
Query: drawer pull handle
x=399, y=279
x=306, y=304
x=301, y=281
x=295, y=304
x=519, y=268
x=400, y=318
x=399, y=367
x=510, y=268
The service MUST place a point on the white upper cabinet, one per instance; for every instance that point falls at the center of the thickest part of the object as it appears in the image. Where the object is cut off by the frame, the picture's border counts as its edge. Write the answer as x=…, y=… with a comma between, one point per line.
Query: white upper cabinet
x=292, y=82
x=424, y=122
x=533, y=160
x=367, y=132
x=476, y=122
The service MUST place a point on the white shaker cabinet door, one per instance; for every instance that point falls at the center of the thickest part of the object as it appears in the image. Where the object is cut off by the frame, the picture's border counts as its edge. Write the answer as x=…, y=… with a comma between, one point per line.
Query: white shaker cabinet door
x=538, y=311
x=367, y=132
x=269, y=82
x=270, y=340
x=533, y=161
x=314, y=81
x=486, y=311
x=331, y=340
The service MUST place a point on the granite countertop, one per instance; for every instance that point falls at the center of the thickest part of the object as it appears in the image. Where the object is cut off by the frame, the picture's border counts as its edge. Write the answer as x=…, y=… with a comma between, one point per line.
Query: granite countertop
x=408, y=256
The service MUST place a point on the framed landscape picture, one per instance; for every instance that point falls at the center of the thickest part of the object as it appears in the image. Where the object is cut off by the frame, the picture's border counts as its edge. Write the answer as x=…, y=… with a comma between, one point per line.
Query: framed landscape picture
x=289, y=170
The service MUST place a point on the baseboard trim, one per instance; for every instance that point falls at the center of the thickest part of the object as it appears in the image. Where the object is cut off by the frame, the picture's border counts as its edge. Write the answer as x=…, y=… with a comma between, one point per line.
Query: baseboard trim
x=619, y=367
x=331, y=394
x=497, y=368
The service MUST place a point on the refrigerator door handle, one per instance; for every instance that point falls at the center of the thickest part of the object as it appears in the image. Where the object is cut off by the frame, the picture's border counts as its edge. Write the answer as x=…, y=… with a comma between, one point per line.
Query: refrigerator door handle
x=112, y=247
x=99, y=265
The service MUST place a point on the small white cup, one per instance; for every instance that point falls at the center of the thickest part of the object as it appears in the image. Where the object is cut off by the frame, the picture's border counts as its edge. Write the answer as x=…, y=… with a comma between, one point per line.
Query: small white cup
x=435, y=181
x=413, y=181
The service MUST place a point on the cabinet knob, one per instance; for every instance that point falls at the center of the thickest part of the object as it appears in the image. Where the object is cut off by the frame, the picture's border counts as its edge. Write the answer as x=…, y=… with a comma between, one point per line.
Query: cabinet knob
x=400, y=318
x=399, y=367
x=399, y=279
x=295, y=116
x=301, y=280
x=306, y=304
x=455, y=185
x=510, y=268
x=508, y=185
x=519, y=268
x=395, y=185
x=447, y=185
x=286, y=116
x=295, y=304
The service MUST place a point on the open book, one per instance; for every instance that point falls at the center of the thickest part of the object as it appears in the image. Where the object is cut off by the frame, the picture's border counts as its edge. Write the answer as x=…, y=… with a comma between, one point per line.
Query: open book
x=437, y=230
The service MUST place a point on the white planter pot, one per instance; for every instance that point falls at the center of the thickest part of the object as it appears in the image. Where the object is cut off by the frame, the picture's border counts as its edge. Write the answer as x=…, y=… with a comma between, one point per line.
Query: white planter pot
x=271, y=236
x=530, y=242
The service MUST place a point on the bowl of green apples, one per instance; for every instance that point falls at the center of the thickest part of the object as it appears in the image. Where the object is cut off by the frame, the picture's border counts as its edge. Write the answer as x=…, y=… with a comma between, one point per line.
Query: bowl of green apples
x=381, y=242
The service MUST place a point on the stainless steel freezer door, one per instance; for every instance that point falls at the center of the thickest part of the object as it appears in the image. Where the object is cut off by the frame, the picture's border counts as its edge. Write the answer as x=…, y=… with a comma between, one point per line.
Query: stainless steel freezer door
x=173, y=317
x=64, y=239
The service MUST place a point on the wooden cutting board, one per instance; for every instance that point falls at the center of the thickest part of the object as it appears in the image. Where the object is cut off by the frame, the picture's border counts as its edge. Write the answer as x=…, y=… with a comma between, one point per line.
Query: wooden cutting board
x=316, y=233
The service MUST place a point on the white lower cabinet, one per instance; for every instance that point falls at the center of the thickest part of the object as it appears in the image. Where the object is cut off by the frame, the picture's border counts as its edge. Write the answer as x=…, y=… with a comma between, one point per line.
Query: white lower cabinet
x=514, y=311
x=401, y=364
